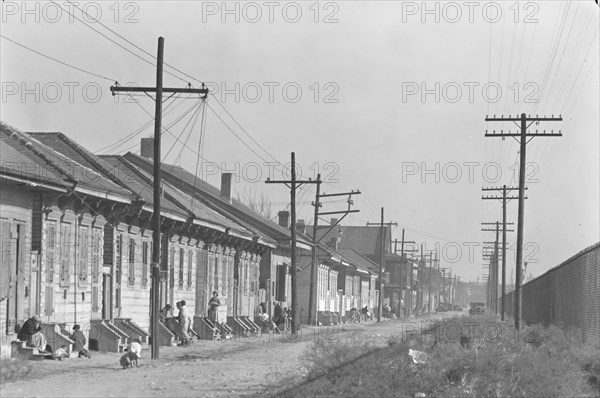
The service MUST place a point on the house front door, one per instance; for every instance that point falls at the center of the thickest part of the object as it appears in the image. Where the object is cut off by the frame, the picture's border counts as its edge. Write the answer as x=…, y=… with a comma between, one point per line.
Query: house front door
x=106, y=297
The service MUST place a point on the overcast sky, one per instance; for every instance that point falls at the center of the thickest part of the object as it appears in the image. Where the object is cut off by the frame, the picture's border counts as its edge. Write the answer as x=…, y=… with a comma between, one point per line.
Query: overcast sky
x=386, y=97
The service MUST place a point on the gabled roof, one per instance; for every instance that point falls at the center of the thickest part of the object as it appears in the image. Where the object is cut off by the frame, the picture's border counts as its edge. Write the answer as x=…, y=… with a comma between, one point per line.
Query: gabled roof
x=359, y=260
x=182, y=200
x=363, y=239
x=78, y=177
x=210, y=195
x=20, y=162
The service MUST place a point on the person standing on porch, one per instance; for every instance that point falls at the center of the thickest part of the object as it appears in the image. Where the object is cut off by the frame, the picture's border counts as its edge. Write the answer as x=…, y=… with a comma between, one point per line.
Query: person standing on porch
x=184, y=322
x=213, y=307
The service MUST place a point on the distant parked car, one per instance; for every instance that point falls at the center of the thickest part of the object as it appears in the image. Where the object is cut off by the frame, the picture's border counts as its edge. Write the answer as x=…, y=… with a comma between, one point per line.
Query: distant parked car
x=476, y=308
x=443, y=307
x=457, y=307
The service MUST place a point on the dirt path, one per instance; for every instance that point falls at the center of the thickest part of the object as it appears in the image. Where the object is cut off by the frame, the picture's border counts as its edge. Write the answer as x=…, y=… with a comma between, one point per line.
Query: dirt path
x=207, y=368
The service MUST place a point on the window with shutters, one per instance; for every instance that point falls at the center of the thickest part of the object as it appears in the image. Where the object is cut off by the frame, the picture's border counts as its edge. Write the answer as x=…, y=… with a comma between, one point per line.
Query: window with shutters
x=65, y=255
x=181, y=267
x=145, y=253
x=189, y=269
x=96, y=234
x=118, y=270
x=131, y=263
x=50, y=251
x=215, y=273
x=5, y=259
x=224, y=269
x=83, y=256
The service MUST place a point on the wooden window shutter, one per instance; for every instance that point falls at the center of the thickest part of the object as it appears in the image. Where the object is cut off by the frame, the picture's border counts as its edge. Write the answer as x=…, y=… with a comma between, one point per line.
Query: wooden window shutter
x=83, y=256
x=190, y=269
x=131, y=263
x=281, y=279
x=181, y=267
x=65, y=256
x=5, y=254
x=49, y=301
x=201, y=281
x=96, y=255
x=50, y=252
x=145, y=253
x=172, y=268
x=95, y=299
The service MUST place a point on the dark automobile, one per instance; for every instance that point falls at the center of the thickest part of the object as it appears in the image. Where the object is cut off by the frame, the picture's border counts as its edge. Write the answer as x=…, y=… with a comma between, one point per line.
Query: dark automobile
x=443, y=307
x=476, y=308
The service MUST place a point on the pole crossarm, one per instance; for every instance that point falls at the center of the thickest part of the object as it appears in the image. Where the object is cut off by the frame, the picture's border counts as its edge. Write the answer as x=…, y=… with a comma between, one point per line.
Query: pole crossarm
x=338, y=212
x=328, y=195
x=501, y=188
x=494, y=223
x=517, y=134
x=117, y=89
x=527, y=118
x=501, y=198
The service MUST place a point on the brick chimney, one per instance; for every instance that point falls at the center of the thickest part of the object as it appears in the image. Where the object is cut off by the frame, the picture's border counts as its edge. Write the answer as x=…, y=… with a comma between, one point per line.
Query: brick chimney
x=301, y=226
x=284, y=218
x=147, y=148
x=226, y=186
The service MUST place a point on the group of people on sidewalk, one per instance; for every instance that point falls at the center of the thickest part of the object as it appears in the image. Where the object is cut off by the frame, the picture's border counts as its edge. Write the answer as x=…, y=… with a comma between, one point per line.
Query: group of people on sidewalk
x=282, y=317
x=32, y=334
x=181, y=325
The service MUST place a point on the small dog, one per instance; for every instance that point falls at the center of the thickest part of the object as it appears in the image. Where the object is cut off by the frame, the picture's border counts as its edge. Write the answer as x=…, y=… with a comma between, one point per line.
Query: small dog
x=128, y=360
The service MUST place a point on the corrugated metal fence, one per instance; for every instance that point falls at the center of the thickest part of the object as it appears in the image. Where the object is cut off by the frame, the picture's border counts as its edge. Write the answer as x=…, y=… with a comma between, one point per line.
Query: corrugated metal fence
x=568, y=294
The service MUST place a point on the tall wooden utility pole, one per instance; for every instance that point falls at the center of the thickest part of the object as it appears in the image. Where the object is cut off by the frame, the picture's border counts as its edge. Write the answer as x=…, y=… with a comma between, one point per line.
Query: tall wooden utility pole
x=312, y=300
x=158, y=90
x=293, y=184
x=505, y=199
x=382, y=224
x=494, y=261
x=525, y=121
x=402, y=261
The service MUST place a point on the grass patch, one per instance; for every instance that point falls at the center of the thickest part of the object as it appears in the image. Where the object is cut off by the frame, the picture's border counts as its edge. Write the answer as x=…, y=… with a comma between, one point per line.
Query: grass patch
x=13, y=370
x=537, y=362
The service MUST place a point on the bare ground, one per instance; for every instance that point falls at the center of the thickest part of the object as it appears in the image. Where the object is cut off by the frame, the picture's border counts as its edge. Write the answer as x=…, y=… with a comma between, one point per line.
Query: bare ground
x=246, y=367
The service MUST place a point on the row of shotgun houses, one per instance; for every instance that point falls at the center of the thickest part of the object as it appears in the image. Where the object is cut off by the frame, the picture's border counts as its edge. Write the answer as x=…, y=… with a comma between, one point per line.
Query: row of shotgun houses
x=76, y=235
x=405, y=280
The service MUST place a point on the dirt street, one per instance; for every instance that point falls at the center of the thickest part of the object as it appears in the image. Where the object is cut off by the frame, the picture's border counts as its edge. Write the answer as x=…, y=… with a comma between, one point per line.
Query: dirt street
x=207, y=368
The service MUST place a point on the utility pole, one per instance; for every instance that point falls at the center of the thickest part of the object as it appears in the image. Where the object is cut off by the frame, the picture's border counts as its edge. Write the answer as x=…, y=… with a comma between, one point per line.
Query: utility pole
x=525, y=122
x=382, y=262
x=444, y=283
x=505, y=199
x=429, y=295
x=493, y=271
x=156, y=274
x=312, y=300
x=293, y=184
x=402, y=261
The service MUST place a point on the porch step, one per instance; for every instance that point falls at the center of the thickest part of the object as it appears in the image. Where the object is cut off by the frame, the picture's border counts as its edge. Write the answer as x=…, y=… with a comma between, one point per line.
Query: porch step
x=205, y=329
x=132, y=329
x=105, y=336
x=20, y=350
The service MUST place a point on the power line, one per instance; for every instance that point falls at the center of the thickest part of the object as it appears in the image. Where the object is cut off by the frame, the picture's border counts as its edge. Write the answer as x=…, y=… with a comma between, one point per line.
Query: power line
x=56, y=60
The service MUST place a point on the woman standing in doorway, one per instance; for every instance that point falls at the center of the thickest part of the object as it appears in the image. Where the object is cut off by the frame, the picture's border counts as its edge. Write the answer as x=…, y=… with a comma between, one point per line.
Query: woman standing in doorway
x=213, y=307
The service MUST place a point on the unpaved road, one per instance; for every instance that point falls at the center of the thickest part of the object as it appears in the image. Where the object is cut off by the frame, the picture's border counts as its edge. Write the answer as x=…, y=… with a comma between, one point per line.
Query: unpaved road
x=206, y=369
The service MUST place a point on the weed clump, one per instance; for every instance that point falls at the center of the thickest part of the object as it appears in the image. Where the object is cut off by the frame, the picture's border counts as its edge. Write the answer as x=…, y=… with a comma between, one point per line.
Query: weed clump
x=535, y=362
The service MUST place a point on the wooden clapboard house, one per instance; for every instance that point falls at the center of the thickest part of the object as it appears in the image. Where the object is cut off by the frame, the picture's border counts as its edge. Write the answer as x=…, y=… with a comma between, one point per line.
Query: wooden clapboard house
x=61, y=260
x=258, y=279
x=27, y=181
x=198, y=247
x=351, y=281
